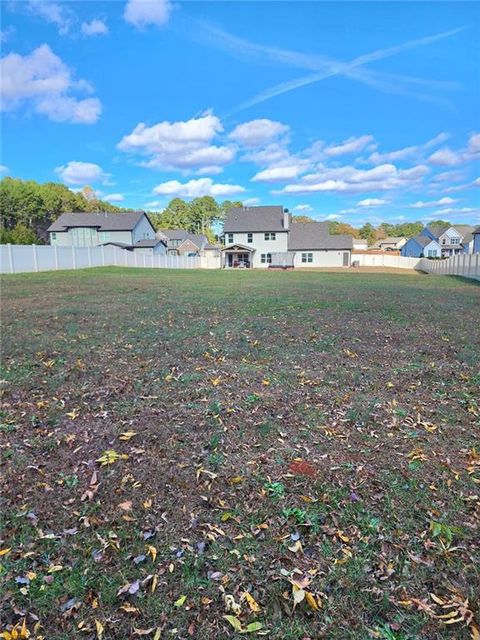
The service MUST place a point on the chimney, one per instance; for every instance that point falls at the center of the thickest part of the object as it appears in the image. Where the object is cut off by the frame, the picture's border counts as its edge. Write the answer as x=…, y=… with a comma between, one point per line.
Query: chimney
x=286, y=219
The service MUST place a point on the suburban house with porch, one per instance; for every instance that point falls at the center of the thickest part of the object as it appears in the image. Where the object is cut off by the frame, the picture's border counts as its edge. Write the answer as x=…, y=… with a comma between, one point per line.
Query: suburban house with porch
x=447, y=241
x=266, y=237
x=132, y=231
x=390, y=244
x=181, y=242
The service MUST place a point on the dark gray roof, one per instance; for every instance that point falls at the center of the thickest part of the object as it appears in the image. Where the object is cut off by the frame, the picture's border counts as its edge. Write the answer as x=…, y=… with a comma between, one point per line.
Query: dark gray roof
x=437, y=230
x=245, y=219
x=103, y=221
x=477, y=230
x=422, y=240
x=315, y=235
x=147, y=243
x=464, y=229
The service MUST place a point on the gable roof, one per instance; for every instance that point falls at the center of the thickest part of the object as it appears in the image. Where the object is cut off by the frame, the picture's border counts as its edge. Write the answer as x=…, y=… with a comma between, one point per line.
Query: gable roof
x=475, y=231
x=245, y=219
x=315, y=235
x=391, y=240
x=198, y=239
x=463, y=229
x=422, y=240
x=437, y=230
x=102, y=221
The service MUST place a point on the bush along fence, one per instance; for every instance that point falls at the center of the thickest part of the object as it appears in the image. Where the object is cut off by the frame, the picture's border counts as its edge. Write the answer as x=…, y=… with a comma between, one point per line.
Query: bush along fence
x=33, y=258
x=463, y=264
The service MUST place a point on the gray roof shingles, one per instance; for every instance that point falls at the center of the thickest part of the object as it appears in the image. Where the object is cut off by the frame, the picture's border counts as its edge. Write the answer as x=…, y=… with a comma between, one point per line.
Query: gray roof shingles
x=315, y=236
x=102, y=221
x=269, y=218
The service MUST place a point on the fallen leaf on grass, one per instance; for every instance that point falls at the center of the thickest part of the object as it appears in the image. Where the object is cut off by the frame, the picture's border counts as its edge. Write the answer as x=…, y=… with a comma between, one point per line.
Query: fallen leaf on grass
x=180, y=601
x=252, y=603
x=125, y=506
x=127, y=435
x=235, y=622
x=100, y=629
x=310, y=600
x=110, y=456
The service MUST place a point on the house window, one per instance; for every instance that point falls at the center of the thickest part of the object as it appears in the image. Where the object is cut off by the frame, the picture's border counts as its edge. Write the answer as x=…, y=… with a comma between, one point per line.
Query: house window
x=307, y=257
x=249, y=237
x=266, y=258
x=54, y=236
x=455, y=241
x=229, y=238
x=444, y=241
x=270, y=235
x=175, y=243
x=432, y=253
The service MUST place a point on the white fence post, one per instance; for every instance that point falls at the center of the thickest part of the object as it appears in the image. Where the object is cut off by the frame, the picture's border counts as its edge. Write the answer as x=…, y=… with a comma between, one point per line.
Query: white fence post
x=35, y=261
x=74, y=261
x=10, y=258
x=55, y=253
x=89, y=252
x=103, y=255
x=136, y=257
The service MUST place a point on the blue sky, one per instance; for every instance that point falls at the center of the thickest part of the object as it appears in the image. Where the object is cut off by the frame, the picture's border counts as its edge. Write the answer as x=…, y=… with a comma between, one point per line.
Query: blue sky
x=343, y=110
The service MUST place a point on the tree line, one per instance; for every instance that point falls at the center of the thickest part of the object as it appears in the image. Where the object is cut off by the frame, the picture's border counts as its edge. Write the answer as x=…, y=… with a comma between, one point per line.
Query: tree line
x=28, y=208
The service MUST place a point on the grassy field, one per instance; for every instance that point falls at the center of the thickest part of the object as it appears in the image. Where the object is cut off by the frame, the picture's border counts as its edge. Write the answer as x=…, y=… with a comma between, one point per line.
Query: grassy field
x=200, y=454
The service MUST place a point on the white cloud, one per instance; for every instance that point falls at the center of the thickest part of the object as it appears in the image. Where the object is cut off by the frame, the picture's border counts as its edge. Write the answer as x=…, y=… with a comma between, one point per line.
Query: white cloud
x=407, y=152
x=259, y=132
x=46, y=82
x=141, y=13
x=352, y=145
x=250, y=202
x=81, y=173
x=444, y=158
x=95, y=27
x=348, y=179
x=474, y=144
x=277, y=174
x=303, y=207
x=197, y=188
x=114, y=197
x=476, y=182
x=6, y=33
x=59, y=15
x=153, y=204
x=432, y=203
x=333, y=216
x=4, y=169
x=184, y=145
x=372, y=202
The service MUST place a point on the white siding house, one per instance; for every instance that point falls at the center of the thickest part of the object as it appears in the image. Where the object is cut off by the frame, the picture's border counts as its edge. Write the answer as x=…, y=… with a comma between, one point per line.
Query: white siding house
x=131, y=231
x=263, y=237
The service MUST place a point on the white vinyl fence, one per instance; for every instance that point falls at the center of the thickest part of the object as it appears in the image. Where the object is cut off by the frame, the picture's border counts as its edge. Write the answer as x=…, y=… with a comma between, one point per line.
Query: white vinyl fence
x=27, y=258
x=384, y=260
x=463, y=264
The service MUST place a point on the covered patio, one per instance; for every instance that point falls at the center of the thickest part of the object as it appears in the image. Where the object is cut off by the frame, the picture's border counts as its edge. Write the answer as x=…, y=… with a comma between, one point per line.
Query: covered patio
x=237, y=256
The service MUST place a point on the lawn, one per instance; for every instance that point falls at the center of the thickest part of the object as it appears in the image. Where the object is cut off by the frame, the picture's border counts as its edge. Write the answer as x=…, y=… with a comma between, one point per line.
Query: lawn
x=194, y=454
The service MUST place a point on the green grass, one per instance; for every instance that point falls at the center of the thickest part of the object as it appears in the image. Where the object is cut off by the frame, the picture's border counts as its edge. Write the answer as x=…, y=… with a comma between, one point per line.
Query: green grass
x=230, y=382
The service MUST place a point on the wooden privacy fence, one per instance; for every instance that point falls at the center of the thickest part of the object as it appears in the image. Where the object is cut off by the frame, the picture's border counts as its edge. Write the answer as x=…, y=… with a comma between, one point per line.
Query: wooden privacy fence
x=33, y=258
x=463, y=264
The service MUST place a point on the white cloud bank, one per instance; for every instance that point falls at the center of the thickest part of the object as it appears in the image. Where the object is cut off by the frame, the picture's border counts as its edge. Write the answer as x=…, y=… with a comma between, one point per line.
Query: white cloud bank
x=43, y=81
x=185, y=145
x=197, y=189
x=142, y=13
x=432, y=203
x=258, y=132
x=114, y=197
x=82, y=173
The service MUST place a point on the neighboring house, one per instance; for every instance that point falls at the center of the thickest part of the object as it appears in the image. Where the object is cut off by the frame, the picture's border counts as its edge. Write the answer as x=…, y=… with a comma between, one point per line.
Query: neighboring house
x=131, y=231
x=181, y=242
x=476, y=240
x=266, y=237
x=359, y=244
x=390, y=244
x=451, y=240
x=421, y=246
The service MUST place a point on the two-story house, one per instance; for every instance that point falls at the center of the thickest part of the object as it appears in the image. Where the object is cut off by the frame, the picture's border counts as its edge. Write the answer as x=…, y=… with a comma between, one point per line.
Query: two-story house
x=439, y=242
x=131, y=231
x=390, y=244
x=266, y=237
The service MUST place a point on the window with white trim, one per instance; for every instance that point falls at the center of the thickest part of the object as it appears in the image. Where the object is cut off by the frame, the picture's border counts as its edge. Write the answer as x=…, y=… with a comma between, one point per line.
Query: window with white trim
x=250, y=237
x=266, y=258
x=455, y=240
x=229, y=238
x=432, y=253
x=307, y=257
x=270, y=235
x=54, y=235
